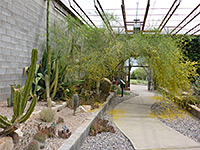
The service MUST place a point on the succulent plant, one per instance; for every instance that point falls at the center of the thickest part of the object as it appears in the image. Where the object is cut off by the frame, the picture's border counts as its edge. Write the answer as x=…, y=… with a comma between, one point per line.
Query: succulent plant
x=40, y=137
x=10, y=100
x=20, y=101
x=75, y=102
x=33, y=145
x=49, y=131
x=47, y=114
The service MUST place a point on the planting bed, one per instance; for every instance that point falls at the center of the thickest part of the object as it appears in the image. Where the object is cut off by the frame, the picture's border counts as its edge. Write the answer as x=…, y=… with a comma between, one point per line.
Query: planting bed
x=29, y=128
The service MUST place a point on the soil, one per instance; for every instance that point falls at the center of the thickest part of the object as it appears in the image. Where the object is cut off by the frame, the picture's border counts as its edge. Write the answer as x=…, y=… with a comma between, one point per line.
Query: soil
x=30, y=127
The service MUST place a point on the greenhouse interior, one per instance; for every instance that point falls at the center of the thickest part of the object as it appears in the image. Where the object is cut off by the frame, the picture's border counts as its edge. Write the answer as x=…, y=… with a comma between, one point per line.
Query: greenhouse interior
x=99, y=74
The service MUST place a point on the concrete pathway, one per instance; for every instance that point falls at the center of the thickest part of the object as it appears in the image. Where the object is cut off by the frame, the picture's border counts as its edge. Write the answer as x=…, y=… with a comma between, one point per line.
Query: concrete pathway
x=145, y=131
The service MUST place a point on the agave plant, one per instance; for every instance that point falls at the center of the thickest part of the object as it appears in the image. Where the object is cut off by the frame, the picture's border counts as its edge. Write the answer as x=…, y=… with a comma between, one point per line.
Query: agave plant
x=20, y=102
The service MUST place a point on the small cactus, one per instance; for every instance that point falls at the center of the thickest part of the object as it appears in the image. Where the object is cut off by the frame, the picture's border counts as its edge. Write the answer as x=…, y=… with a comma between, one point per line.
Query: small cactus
x=33, y=145
x=75, y=102
x=40, y=137
x=47, y=114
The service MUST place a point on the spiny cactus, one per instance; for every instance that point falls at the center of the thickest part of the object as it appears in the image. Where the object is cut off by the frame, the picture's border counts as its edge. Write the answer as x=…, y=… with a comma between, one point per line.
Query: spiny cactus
x=75, y=102
x=10, y=100
x=55, y=82
x=47, y=114
x=33, y=145
x=47, y=90
x=40, y=137
x=20, y=101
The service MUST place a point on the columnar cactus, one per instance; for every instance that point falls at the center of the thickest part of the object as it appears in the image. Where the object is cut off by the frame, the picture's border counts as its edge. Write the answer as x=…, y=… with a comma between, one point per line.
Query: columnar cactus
x=10, y=100
x=20, y=101
x=75, y=102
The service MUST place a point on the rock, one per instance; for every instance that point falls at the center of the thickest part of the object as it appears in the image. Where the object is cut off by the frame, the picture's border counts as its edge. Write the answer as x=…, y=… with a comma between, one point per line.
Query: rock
x=81, y=109
x=84, y=108
x=6, y=143
x=87, y=107
x=2, y=145
x=53, y=104
x=19, y=132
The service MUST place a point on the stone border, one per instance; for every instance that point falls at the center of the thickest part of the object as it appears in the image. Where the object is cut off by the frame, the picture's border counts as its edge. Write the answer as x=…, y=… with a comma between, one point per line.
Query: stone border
x=79, y=136
x=194, y=110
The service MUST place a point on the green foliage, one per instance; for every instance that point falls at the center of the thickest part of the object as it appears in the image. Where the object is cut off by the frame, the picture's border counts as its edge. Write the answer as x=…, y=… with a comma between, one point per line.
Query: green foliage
x=140, y=74
x=33, y=145
x=115, y=88
x=125, y=93
x=139, y=82
x=20, y=101
x=83, y=51
x=47, y=115
x=168, y=65
x=190, y=47
x=133, y=76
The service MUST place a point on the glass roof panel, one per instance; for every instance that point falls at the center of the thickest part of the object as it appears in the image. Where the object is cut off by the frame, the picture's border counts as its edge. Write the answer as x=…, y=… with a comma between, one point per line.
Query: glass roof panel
x=135, y=9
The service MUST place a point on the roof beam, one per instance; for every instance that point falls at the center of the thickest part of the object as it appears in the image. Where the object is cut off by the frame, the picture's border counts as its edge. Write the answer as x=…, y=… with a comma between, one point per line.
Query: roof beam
x=173, y=9
x=84, y=13
x=63, y=6
x=146, y=14
x=124, y=14
x=194, y=28
x=194, y=13
x=75, y=10
x=195, y=32
x=102, y=15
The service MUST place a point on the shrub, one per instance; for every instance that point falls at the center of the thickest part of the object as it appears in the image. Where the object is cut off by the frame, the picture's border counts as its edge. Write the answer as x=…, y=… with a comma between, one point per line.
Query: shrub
x=47, y=114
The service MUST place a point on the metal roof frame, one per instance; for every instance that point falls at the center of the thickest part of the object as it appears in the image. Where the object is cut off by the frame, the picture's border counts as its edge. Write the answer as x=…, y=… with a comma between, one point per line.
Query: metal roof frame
x=173, y=11
x=191, y=14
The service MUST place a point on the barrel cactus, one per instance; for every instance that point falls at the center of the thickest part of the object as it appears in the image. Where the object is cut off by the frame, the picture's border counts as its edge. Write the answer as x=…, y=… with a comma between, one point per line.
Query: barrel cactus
x=20, y=102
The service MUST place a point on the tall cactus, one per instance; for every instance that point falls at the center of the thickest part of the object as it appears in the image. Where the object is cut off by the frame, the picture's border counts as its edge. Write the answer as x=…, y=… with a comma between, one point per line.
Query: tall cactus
x=20, y=102
x=55, y=81
x=11, y=99
x=47, y=90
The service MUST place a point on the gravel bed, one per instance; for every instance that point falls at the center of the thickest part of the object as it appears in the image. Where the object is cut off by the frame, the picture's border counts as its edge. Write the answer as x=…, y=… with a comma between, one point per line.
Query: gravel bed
x=107, y=140
x=178, y=119
x=29, y=128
